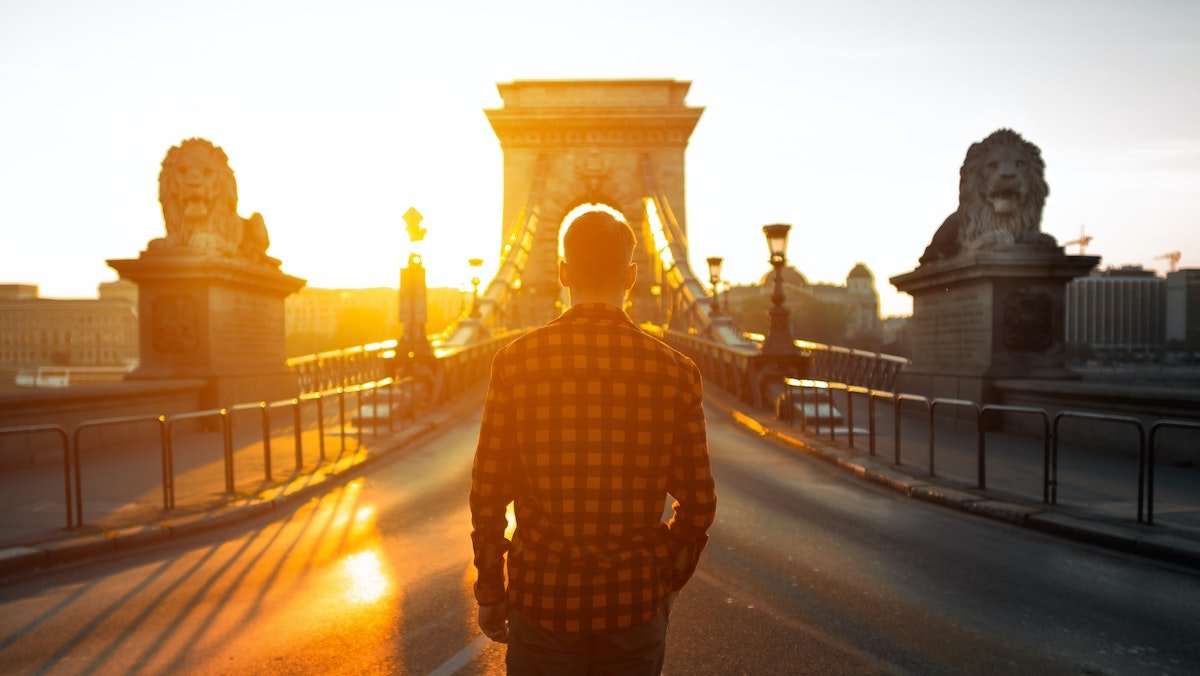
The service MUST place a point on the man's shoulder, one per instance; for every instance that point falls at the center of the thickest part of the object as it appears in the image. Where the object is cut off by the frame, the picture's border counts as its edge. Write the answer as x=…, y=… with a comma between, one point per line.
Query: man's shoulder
x=669, y=353
x=623, y=339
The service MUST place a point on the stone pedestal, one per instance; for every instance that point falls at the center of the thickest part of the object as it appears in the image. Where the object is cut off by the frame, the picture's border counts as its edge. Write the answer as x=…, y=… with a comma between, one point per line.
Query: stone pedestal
x=989, y=315
x=215, y=318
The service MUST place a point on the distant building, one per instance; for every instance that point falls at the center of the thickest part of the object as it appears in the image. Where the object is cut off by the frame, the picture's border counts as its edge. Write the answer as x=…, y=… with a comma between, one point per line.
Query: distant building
x=842, y=313
x=1116, y=313
x=1183, y=308
x=318, y=319
x=82, y=333
x=894, y=334
x=857, y=298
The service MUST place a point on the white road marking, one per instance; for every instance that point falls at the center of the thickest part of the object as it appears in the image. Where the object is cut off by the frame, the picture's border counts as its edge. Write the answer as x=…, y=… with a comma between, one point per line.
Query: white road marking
x=463, y=657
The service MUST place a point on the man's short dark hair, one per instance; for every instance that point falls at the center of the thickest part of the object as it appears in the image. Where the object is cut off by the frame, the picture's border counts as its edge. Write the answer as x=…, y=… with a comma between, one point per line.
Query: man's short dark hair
x=598, y=250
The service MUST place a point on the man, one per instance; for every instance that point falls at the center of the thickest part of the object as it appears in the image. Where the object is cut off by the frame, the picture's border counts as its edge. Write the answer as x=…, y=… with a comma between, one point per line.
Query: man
x=589, y=424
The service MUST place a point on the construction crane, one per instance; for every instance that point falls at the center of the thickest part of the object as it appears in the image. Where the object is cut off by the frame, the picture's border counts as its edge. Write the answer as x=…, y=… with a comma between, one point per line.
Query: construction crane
x=1083, y=241
x=1172, y=258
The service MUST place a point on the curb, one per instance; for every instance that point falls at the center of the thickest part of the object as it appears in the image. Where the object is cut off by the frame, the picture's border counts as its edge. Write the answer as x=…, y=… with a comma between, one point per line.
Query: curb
x=1038, y=517
x=21, y=559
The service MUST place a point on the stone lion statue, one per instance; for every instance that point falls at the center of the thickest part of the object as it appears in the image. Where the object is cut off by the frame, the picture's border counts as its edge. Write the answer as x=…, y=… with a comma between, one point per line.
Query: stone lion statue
x=199, y=201
x=1001, y=192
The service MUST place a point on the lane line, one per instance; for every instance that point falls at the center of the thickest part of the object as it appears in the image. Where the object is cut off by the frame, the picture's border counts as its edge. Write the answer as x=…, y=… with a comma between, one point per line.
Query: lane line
x=464, y=656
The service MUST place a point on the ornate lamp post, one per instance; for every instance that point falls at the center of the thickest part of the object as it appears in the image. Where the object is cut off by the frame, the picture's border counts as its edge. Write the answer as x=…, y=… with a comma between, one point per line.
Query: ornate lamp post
x=476, y=263
x=714, y=278
x=779, y=342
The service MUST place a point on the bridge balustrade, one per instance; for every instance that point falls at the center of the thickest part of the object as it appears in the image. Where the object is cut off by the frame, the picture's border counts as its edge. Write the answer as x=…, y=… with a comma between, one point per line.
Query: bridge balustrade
x=344, y=367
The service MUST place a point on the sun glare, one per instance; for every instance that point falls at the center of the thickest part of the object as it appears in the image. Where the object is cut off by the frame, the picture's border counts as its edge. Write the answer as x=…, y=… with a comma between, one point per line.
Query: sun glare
x=581, y=210
x=367, y=581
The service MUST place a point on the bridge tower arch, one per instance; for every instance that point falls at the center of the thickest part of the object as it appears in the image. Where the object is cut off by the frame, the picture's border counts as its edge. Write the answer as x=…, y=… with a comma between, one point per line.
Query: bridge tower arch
x=573, y=142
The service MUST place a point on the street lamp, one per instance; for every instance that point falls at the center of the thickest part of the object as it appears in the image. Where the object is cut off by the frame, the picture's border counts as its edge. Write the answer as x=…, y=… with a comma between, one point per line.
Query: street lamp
x=476, y=263
x=714, y=278
x=779, y=342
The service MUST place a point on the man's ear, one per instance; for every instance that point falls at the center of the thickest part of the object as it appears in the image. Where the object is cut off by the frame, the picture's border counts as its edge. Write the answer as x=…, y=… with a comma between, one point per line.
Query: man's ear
x=564, y=275
x=630, y=276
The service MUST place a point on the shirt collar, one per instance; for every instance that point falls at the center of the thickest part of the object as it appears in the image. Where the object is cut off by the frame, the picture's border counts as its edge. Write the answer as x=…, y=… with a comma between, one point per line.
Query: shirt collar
x=594, y=312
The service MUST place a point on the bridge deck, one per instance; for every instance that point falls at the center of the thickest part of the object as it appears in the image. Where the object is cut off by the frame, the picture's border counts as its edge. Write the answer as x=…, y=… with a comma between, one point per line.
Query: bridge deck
x=806, y=572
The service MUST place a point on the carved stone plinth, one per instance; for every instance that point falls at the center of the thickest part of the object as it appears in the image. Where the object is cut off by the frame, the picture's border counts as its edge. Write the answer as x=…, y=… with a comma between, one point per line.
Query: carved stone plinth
x=219, y=319
x=988, y=315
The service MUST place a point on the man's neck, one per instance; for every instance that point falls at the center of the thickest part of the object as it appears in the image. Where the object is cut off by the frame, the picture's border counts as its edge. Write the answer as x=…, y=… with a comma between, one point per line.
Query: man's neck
x=616, y=300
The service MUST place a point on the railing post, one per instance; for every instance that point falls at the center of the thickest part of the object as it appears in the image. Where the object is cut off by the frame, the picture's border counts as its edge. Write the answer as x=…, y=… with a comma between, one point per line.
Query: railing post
x=375, y=410
x=298, y=434
x=1141, y=468
x=321, y=427
x=980, y=448
x=66, y=448
x=871, y=421
x=341, y=392
x=78, y=477
x=391, y=406
x=896, y=433
x=358, y=428
x=803, y=412
x=829, y=396
x=849, y=417
x=1045, y=458
x=932, y=406
x=227, y=437
x=266, y=439
x=168, y=463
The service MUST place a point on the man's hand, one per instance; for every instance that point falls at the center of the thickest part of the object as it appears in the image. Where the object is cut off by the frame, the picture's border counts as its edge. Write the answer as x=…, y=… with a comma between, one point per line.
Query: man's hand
x=493, y=620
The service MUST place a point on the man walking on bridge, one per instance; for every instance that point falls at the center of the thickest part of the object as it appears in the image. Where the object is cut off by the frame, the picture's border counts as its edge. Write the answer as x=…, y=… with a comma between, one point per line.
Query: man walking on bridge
x=589, y=424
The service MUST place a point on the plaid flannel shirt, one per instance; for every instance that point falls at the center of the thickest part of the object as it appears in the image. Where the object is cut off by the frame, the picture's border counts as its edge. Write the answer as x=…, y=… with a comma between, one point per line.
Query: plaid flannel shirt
x=589, y=424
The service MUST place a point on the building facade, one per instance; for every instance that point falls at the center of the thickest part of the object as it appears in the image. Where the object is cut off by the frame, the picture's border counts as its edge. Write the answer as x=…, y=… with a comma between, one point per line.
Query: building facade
x=1116, y=313
x=1183, y=309
x=840, y=313
x=76, y=333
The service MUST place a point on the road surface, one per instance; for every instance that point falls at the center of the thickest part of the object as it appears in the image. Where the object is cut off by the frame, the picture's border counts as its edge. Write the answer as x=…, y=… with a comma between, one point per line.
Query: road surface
x=808, y=571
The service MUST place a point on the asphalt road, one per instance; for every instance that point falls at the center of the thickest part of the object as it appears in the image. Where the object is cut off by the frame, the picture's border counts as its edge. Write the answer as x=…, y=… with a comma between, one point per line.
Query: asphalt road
x=808, y=571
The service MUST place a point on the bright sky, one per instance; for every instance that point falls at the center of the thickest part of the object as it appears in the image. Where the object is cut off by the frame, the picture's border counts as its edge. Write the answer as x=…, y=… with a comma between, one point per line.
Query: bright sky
x=848, y=120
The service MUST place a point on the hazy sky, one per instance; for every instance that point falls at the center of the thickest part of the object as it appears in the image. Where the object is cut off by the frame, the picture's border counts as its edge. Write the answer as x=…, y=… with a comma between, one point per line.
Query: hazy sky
x=848, y=120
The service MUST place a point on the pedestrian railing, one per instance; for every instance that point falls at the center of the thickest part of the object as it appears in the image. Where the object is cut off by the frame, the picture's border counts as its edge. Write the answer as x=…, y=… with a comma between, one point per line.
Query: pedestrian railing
x=1026, y=410
x=1154, y=429
x=160, y=421
x=389, y=400
x=799, y=392
x=1099, y=417
x=65, y=440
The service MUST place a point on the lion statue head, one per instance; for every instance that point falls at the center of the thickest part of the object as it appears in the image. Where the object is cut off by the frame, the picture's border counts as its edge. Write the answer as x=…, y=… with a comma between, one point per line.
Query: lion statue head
x=199, y=202
x=1001, y=192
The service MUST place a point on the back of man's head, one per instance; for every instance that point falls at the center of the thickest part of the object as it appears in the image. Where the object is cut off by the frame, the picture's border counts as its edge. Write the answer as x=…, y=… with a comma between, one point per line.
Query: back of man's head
x=598, y=250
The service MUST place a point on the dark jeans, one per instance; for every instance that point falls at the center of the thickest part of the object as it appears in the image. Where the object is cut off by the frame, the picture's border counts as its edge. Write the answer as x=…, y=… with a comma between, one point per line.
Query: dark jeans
x=534, y=651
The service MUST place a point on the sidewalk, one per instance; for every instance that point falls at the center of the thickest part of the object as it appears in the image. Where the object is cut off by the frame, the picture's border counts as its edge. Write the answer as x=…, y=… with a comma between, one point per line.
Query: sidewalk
x=1096, y=496
x=122, y=487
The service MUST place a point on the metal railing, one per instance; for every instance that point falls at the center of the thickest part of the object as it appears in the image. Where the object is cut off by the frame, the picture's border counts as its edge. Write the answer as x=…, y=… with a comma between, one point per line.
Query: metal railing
x=66, y=456
x=1160, y=425
x=737, y=372
x=164, y=450
x=457, y=368
x=801, y=390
